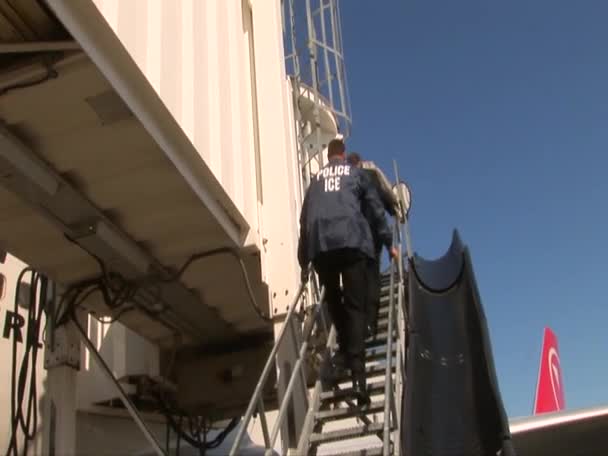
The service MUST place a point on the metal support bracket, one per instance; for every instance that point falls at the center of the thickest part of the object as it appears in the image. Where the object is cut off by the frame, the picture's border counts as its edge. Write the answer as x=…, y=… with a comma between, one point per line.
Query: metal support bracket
x=121, y=392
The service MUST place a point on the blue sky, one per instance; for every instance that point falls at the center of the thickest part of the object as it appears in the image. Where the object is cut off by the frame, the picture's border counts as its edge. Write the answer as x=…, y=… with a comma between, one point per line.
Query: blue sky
x=497, y=113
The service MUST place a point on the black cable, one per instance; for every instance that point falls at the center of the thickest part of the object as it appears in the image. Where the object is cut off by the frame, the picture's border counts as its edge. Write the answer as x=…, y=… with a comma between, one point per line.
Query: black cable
x=192, y=259
x=178, y=444
x=219, y=251
x=167, y=438
x=24, y=410
x=194, y=439
x=51, y=73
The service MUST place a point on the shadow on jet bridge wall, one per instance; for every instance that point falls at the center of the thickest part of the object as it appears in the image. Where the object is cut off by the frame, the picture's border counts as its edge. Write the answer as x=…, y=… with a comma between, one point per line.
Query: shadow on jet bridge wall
x=452, y=404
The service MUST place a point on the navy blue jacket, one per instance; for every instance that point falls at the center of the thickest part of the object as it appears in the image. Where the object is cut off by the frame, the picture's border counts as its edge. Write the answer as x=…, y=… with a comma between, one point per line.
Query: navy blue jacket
x=387, y=203
x=337, y=202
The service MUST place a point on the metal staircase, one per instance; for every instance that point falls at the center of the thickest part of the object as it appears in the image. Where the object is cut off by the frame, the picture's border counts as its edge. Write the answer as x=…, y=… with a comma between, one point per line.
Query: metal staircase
x=330, y=422
x=335, y=417
x=314, y=417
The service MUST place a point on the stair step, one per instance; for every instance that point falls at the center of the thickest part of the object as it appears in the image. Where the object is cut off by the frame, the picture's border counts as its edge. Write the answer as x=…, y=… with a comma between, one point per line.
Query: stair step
x=375, y=451
x=383, y=311
x=340, y=394
x=379, y=340
x=385, y=289
x=345, y=434
x=377, y=355
x=383, y=322
x=348, y=412
x=370, y=371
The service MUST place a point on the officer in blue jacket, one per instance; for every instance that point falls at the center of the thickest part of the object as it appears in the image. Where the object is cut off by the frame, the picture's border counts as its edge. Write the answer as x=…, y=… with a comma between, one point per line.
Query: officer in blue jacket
x=337, y=238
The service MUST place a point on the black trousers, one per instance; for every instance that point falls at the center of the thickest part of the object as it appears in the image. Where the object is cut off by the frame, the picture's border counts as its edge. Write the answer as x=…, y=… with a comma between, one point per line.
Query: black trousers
x=373, y=292
x=347, y=309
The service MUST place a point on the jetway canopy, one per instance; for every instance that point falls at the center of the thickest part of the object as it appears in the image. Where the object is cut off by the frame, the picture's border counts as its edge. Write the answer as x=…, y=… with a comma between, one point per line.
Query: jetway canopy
x=89, y=152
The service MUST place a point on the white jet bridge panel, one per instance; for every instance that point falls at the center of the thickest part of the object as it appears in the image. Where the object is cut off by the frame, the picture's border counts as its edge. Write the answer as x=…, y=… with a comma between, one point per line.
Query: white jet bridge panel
x=199, y=58
x=108, y=167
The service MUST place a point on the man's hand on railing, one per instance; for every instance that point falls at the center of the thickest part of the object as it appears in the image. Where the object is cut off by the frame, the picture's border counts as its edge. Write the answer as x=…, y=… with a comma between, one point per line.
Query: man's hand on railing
x=393, y=253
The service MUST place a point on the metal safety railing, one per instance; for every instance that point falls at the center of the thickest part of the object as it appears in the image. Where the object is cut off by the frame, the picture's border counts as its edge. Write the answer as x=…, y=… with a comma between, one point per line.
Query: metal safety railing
x=390, y=408
x=256, y=403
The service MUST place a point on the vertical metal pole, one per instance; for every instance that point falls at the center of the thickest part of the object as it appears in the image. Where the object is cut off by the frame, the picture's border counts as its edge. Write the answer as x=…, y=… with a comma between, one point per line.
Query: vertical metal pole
x=339, y=62
x=265, y=372
x=298, y=369
x=123, y=396
x=294, y=328
x=325, y=51
x=285, y=402
x=389, y=361
x=302, y=153
x=264, y=423
x=343, y=68
x=294, y=50
x=408, y=242
x=312, y=46
x=315, y=398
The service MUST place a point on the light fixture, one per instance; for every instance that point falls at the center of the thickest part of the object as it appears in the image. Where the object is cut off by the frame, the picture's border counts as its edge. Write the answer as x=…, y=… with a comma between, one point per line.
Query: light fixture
x=404, y=196
x=23, y=160
x=125, y=256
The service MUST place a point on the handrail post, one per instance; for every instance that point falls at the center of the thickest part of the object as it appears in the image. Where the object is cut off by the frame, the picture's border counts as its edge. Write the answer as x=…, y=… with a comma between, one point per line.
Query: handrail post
x=265, y=372
x=408, y=242
x=297, y=368
x=389, y=360
x=264, y=423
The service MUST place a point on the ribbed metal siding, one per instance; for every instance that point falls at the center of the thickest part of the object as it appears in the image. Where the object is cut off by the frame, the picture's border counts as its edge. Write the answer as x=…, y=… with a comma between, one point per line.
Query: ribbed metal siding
x=196, y=56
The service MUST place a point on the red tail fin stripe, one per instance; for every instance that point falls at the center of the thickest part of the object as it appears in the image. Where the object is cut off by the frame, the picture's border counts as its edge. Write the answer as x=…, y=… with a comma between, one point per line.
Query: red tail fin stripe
x=550, y=387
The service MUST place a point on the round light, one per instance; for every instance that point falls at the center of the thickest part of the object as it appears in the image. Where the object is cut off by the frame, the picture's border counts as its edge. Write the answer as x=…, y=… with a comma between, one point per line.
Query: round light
x=404, y=196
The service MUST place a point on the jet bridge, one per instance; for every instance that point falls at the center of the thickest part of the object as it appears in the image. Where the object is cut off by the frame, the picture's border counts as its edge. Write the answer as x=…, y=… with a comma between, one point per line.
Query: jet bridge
x=99, y=184
x=97, y=177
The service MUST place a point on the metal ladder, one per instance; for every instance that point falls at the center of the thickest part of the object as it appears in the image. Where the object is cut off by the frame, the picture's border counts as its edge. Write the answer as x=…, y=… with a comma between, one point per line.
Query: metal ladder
x=385, y=365
x=336, y=409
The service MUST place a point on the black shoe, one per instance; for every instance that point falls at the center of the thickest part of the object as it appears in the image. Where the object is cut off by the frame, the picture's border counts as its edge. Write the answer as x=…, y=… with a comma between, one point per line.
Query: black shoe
x=372, y=330
x=340, y=368
x=333, y=370
x=338, y=361
x=360, y=390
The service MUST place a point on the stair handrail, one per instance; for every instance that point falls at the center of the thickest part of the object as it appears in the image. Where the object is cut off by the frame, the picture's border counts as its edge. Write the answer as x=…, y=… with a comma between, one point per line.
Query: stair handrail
x=257, y=401
x=403, y=240
x=389, y=397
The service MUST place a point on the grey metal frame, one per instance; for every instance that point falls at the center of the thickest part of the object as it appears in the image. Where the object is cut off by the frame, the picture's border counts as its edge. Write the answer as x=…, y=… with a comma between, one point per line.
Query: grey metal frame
x=257, y=401
x=389, y=398
x=406, y=227
x=314, y=58
x=320, y=36
x=121, y=392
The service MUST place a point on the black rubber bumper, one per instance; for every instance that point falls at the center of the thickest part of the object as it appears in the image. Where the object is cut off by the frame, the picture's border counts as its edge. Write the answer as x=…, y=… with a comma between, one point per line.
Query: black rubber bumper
x=452, y=404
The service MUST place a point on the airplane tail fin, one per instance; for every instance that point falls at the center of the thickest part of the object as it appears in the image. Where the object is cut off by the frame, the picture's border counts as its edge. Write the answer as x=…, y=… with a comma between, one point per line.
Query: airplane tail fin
x=550, y=387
